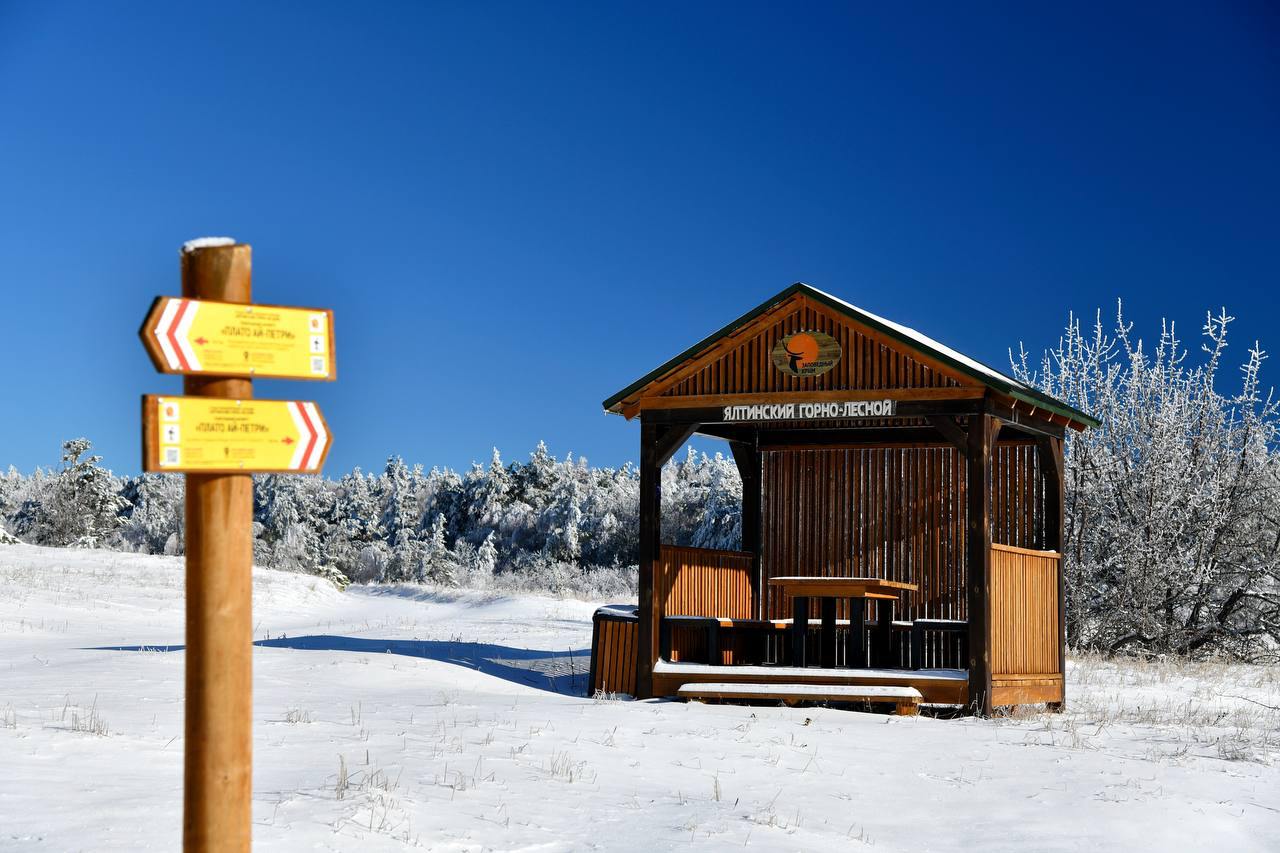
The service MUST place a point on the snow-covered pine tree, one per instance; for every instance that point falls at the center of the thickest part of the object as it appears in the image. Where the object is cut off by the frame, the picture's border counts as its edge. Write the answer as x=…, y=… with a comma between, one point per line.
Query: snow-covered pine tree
x=82, y=504
x=485, y=496
x=436, y=563
x=154, y=516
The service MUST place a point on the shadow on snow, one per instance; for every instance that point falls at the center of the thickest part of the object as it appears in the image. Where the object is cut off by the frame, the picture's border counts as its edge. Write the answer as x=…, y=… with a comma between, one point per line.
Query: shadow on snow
x=557, y=672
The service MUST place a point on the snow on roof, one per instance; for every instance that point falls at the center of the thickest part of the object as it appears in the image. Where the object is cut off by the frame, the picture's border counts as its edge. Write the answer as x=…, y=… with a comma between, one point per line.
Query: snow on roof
x=926, y=341
x=206, y=243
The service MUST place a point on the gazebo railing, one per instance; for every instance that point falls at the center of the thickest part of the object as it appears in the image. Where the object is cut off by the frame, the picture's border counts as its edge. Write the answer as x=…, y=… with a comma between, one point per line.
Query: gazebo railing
x=701, y=582
x=1026, y=625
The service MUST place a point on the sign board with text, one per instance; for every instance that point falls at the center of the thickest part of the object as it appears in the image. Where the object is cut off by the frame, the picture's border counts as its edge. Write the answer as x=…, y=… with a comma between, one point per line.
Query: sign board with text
x=810, y=411
x=193, y=336
x=211, y=435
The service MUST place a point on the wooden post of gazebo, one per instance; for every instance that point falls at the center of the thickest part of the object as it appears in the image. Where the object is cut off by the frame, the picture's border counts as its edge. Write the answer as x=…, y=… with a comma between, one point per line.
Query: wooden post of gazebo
x=982, y=429
x=657, y=443
x=1049, y=452
x=747, y=457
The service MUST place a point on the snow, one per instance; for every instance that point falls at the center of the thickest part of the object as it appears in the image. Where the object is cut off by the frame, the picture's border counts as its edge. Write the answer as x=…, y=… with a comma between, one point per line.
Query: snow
x=620, y=610
x=668, y=668
x=206, y=243
x=459, y=722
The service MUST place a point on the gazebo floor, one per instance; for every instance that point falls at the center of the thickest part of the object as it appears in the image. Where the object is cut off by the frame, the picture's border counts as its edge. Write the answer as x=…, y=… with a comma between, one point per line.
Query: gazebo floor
x=936, y=686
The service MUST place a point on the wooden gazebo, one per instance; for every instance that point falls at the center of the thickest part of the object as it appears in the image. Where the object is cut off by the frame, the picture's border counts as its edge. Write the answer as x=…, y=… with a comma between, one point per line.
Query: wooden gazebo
x=925, y=487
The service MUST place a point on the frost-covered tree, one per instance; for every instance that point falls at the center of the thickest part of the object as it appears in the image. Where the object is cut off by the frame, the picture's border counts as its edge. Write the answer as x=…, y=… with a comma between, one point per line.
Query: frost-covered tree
x=485, y=496
x=81, y=504
x=562, y=518
x=1172, y=535
x=436, y=564
x=539, y=524
x=153, y=522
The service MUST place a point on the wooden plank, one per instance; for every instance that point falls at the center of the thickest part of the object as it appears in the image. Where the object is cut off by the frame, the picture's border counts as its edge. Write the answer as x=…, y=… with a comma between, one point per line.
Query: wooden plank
x=1028, y=694
x=841, y=587
x=933, y=690
x=906, y=700
x=695, y=401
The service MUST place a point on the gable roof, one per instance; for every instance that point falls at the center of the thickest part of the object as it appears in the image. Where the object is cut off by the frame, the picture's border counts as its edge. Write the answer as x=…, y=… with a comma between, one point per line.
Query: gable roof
x=912, y=339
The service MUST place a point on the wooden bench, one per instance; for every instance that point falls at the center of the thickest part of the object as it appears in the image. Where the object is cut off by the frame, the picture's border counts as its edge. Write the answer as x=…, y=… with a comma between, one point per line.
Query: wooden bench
x=906, y=700
x=946, y=626
x=711, y=627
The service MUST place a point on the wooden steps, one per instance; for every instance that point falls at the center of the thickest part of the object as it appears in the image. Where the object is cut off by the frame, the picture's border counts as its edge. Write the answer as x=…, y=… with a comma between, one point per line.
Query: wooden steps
x=936, y=686
x=906, y=700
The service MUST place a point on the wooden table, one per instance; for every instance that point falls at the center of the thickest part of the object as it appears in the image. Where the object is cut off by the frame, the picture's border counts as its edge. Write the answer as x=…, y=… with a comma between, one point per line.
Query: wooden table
x=801, y=589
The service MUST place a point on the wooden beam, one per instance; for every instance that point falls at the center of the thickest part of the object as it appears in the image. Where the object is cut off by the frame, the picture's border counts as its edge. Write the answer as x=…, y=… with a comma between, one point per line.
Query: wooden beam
x=1011, y=413
x=670, y=439
x=650, y=543
x=950, y=430
x=712, y=400
x=711, y=416
x=747, y=457
x=778, y=439
x=978, y=549
x=1049, y=451
x=728, y=432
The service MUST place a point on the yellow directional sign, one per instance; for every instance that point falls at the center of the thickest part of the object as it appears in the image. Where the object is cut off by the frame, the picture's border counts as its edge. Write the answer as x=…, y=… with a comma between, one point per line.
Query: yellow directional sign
x=215, y=435
x=194, y=336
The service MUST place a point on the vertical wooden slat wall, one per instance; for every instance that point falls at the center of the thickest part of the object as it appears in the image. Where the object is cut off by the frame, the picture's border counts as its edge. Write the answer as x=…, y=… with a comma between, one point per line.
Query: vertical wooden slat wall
x=867, y=362
x=1024, y=606
x=701, y=582
x=614, y=655
x=891, y=512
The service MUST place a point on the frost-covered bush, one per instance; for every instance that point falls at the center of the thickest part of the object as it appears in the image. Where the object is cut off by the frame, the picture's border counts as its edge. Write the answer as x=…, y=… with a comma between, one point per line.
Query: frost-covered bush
x=1172, y=533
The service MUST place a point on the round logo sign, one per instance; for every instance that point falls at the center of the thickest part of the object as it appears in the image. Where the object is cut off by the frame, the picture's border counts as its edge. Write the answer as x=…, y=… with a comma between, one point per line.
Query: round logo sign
x=806, y=354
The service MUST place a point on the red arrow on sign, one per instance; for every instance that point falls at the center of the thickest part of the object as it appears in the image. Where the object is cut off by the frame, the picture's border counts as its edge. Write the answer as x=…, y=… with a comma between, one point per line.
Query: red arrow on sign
x=312, y=435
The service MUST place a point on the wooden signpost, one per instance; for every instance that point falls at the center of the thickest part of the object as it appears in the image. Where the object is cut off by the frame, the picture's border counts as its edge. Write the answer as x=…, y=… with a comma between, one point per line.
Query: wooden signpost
x=219, y=436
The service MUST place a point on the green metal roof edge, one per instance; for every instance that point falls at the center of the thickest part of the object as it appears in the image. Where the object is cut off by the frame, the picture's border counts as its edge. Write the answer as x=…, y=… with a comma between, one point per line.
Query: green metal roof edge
x=702, y=344
x=1003, y=384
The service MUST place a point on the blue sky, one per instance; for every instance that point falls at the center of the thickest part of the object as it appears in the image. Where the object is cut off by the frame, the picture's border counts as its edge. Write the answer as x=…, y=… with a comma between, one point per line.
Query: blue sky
x=517, y=209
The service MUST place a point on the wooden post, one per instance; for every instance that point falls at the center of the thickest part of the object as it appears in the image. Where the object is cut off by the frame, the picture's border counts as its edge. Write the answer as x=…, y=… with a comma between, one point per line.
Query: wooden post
x=218, y=787
x=1052, y=466
x=827, y=654
x=747, y=458
x=650, y=550
x=978, y=546
x=799, y=630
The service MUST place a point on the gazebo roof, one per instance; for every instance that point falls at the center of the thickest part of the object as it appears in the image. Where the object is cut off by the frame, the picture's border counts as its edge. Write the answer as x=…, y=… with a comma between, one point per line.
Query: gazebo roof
x=907, y=338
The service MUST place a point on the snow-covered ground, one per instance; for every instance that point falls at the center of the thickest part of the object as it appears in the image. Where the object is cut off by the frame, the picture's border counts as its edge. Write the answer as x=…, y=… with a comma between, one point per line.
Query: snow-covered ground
x=392, y=718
